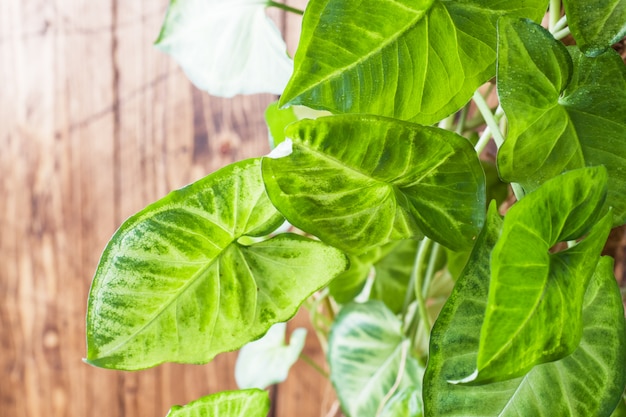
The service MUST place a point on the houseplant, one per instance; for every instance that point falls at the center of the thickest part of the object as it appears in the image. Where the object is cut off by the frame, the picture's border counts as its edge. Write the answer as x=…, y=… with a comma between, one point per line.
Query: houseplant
x=460, y=310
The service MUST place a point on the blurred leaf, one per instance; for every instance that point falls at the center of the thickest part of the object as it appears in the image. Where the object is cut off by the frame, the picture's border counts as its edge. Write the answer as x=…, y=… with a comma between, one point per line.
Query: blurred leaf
x=359, y=181
x=412, y=60
x=366, y=353
x=175, y=283
x=596, y=24
x=226, y=47
x=267, y=361
x=405, y=403
x=244, y=403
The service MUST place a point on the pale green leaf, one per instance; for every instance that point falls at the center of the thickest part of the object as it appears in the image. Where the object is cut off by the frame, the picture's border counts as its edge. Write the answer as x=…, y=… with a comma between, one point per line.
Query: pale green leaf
x=596, y=24
x=367, y=353
x=412, y=60
x=535, y=297
x=244, y=403
x=359, y=181
x=277, y=119
x=565, y=110
x=226, y=47
x=175, y=284
x=589, y=382
x=267, y=361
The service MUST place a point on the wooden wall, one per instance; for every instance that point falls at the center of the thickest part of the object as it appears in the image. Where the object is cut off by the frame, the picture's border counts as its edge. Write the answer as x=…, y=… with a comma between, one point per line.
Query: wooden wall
x=95, y=123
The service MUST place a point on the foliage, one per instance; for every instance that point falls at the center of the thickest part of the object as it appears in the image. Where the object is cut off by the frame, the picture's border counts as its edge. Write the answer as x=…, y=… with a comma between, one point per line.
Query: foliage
x=397, y=227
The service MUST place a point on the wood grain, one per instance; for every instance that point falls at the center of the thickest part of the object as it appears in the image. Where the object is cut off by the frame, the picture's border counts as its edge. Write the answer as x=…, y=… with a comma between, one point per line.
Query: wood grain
x=95, y=123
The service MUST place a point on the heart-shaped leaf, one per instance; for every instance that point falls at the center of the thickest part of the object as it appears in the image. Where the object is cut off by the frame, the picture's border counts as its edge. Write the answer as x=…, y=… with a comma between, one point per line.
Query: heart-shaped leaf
x=596, y=24
x=535, y=297
x=565, y=110
x=226, y=47
x=360, y=181
x=367, y=353
x=244, y=403
x=412, y=60
x=175, y=283
x=267, y=361
x=589, y=382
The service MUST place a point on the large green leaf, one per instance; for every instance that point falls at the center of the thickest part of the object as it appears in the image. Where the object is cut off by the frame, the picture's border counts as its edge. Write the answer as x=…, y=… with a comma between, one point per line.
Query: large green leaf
x=596, y=24
x=412, y=60
x=226, y=47
x=589, y=382
x=244, y=403
x=359, y=181
x=267, y=361
x=174, y=283
x=367, y=353
x=535, y=297
x=565, y=110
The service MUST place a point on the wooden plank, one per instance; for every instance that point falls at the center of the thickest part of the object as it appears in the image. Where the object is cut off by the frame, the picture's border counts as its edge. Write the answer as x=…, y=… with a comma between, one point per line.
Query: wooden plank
x=94, y=124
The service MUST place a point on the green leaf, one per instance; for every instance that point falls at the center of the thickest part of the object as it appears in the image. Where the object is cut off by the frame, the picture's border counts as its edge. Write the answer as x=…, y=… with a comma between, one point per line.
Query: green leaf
x=174, y=283
x=406, y=403
x=277, y=119
x=347, y=285
x=596, y=24
x=359, y=181
x=367, y=353
x=620, y=411
x=267, y=361
x=244, y=403
x=589, y=382
x=393, y=273
x=565, y=110
x=226, y=48
x=535, y=297
x=412, y=60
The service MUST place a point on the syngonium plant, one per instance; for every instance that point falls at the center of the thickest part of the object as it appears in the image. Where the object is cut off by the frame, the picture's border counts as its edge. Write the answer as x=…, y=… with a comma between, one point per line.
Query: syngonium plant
x=441, y=294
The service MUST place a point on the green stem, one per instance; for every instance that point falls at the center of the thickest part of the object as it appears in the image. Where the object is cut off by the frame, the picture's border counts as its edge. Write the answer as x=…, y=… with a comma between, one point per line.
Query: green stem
x=489, y=117
x=419, y=283
x=561, y=33
x=329, y=307
x=306, y=358
x=560, y=24
x=518, y=191
x=285, y=7
x=555, y=14
x=460, y=127
x=430, y=272
x=448, y=122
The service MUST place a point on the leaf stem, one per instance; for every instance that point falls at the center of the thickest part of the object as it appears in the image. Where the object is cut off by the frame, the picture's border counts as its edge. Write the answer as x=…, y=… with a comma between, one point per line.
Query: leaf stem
x=306, y=358
x=419, y=282
x=430, y=272
x=560, y=24
x=489, y=117
x=330, y=308
x=555, y=14
x=561, y=33
x=282, y=6
x=460, y=127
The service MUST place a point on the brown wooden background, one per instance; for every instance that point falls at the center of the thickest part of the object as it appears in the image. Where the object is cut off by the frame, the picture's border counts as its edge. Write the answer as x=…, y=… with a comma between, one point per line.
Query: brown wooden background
x=95, y=123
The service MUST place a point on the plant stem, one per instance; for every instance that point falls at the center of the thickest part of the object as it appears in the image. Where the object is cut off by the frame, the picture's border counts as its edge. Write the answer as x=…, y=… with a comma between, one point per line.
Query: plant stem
x=430, y=272
x=489, y=117
x=329, y=307
x=419, y=283
x=285, y=7
x=561, y=33
x=460, y=127
x=306, y=358
x=555, y=14
x=560, y=24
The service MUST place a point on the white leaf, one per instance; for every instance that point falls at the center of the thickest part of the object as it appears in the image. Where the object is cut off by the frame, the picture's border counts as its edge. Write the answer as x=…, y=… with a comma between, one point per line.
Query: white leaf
x=226, y=47
x=267, y=361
